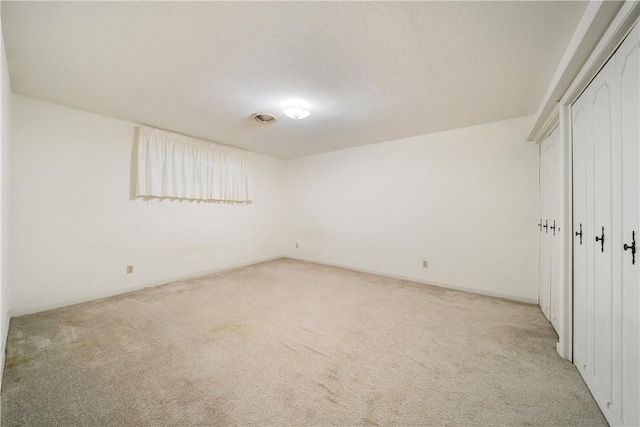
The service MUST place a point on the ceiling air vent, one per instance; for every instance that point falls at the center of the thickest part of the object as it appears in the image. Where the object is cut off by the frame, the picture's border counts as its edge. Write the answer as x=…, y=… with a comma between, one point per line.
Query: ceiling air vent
x=264, y=118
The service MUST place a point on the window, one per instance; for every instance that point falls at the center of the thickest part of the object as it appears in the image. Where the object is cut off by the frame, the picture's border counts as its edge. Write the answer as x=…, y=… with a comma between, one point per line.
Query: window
x=177, y=166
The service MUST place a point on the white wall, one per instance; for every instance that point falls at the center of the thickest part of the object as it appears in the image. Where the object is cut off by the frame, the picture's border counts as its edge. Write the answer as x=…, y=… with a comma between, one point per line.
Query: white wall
x=5, y=110
x=75, y=229
x=465, y=200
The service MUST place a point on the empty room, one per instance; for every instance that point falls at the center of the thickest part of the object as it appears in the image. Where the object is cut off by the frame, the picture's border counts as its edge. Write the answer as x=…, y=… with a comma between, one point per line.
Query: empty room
x=248, y=213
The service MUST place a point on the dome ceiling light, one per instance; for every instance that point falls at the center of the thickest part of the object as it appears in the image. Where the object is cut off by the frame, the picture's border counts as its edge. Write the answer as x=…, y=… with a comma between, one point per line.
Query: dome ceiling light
x=296, y=110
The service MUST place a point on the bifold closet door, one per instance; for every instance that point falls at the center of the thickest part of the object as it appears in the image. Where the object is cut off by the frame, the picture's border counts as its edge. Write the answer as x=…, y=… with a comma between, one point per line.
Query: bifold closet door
x=627, y=359
x=593, y=321
x=544, y=279
x=601, y=100
x=550, y=193
x=555, y=214
x=606, y=227
x=581, y=300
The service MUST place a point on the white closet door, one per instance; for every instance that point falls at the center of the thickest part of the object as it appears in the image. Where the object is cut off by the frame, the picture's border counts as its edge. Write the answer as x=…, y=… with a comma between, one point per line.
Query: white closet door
x=606, y=203
x=550, y=243
x=555, y=236
x=593, y=321
x=546, y=185
x=543, y=291
x=580, y=293
x=627, y=359
x=602, y=102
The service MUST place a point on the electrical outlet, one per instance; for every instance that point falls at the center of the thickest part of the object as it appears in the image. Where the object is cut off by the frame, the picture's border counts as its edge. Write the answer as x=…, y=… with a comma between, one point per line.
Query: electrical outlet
x=425, y=264
x=129, y=269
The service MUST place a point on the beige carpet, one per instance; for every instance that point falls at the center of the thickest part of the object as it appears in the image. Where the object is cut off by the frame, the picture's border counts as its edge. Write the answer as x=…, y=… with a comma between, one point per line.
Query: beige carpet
x=291, y=343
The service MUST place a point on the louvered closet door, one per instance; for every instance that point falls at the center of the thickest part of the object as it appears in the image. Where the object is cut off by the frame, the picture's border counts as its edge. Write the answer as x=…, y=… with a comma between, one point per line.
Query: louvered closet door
x=627, y=359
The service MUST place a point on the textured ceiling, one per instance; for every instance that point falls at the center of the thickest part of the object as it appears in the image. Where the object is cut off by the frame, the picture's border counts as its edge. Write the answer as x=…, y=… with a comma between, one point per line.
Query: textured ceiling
x=370, y=71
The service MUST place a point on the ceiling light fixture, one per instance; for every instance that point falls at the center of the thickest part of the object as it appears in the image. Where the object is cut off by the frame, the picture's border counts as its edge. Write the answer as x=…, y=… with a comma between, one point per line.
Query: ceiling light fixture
x=296, y=110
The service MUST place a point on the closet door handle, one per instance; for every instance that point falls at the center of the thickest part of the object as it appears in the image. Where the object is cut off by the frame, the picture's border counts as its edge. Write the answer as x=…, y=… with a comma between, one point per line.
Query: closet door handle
x=540, y=224
x=632, y=246
x=554, y=227
x=601, y=240
x=580, y=234
x=545, y=226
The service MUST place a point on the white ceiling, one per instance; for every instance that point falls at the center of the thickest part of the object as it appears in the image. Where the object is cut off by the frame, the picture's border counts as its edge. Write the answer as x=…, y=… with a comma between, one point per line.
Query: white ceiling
x=370, y=71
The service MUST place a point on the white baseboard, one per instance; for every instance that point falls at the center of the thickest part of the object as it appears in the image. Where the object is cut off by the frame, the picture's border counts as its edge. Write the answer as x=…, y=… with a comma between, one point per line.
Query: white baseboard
x=36, y=308
x=424, y=282
x=30, y=309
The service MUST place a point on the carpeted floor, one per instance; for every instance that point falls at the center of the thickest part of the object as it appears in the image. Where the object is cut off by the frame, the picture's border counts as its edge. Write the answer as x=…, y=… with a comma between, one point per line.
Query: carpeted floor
x=291, y=343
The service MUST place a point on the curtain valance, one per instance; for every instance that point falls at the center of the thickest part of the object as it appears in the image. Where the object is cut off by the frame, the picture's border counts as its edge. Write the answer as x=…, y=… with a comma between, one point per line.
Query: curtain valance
x=178, y=166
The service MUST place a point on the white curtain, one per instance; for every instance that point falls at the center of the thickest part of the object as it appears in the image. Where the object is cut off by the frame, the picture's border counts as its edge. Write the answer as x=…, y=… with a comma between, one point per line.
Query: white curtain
x=178, y=166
